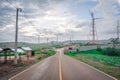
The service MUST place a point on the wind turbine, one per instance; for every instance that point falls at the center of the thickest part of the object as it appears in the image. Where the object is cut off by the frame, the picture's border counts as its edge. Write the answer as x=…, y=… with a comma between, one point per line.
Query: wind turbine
x=94, y=32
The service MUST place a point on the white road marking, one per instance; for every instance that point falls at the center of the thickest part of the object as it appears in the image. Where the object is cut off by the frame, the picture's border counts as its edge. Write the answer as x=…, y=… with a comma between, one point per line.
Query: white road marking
x=60, y=66
x=99, y=71
x=27, y=69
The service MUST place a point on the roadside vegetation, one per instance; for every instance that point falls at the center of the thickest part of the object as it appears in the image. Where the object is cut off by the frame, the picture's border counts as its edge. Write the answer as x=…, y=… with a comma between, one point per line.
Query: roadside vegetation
x=8, y=69
x=45, y=53
x=58, y=46
x=11, y=54
x=106, y=60
x=49, y=52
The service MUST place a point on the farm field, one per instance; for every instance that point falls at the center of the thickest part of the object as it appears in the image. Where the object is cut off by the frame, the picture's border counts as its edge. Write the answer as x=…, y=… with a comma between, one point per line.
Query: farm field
x=105, y=63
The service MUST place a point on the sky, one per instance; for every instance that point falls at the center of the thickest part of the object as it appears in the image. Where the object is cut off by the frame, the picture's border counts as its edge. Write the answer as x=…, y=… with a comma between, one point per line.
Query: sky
x=42, y=20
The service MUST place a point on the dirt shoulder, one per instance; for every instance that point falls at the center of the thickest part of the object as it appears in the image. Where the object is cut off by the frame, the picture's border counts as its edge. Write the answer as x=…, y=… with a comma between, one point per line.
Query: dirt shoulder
x=8, y=69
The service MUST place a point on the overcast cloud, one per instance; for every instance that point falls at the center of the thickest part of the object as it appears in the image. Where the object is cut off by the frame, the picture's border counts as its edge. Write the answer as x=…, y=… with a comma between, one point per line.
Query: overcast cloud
x=49, y=18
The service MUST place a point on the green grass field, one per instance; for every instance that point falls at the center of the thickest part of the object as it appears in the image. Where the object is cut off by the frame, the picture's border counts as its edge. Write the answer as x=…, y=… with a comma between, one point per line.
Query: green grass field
x=105, y=63
x=98, y=56
x=10, y=54
x=47, y=52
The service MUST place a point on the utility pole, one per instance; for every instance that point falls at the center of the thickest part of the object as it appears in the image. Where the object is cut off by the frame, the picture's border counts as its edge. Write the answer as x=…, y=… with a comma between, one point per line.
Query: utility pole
x=70, y=39
x=24, y=40
x=118, y=34
x=47, y=40
x=16, y=34
x=57, y=38
x=16, y=29
x=38, y=39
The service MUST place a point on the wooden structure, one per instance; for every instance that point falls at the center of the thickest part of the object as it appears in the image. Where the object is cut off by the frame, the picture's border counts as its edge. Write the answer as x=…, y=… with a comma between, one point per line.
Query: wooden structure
x=28, y=51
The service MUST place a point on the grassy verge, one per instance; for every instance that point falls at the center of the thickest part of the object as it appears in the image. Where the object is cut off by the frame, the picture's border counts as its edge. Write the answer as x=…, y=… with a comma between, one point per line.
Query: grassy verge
x=46, y=53
x=49, y=52
x=10, y=54
x=107, y=64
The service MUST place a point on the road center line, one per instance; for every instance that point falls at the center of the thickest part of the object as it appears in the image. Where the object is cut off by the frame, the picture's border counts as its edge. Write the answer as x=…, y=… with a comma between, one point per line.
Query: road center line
x=60, y=67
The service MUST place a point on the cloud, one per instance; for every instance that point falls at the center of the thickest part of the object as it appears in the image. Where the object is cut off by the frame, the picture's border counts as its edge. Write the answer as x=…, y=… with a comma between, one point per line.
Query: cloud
x=106, y=27
x=83, y=1
x=47, y=18
x=108, y=7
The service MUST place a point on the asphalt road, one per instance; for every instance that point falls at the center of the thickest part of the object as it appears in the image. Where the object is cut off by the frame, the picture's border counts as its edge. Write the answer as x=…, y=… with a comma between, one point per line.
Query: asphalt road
x=61, y=67
x=47, y=69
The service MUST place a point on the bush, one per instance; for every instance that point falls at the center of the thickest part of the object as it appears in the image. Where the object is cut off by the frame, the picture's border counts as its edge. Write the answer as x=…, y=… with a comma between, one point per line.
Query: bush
x=39, y=58
x=112, y=52
x=99, y=49
x=81, y=44
x=71, y=53
x=37, y=52
x=49, y=52
x=58, y=46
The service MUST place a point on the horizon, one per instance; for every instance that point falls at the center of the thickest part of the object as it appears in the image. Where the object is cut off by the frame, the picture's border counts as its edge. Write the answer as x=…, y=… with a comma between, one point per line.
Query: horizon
x=40, y=20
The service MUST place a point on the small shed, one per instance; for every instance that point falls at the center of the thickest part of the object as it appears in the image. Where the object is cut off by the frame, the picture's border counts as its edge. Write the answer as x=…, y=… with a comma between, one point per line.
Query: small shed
x=1, y=49
x=42, y=50
x=5, y=51
x=19, y=50
x=28, y=50
x=71, y=49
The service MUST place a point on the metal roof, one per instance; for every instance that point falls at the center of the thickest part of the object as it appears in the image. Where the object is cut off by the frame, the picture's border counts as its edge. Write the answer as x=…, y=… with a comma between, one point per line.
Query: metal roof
x=1, y=49
x=18, y=50
x=26, y=48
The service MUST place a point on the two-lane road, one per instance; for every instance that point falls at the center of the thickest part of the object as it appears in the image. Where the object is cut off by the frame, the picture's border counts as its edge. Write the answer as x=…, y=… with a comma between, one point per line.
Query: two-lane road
x=75, y=70
x=47, y=69
x=61, y=67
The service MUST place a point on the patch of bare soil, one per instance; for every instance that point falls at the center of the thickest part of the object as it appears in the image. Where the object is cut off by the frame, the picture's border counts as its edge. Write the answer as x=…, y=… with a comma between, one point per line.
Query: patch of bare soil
x=8, y=69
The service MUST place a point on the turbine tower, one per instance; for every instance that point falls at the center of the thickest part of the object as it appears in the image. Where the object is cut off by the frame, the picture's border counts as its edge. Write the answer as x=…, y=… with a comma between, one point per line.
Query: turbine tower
x=94, y=32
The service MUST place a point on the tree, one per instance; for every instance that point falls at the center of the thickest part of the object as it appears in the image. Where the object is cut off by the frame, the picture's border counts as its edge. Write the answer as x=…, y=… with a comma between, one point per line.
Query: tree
x=114, y=41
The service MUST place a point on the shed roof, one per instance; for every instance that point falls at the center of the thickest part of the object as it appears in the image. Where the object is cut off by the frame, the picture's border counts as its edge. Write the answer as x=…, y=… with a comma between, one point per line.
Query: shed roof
x=1, y=49
x=18, y=50
x=6, y=49
x=26, y=48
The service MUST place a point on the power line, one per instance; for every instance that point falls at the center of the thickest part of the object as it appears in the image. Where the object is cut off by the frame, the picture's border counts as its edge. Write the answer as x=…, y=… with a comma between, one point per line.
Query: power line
x=16, y=29
x=3, y=19
x=33, y=27
x=31, y=23
x=11, y=3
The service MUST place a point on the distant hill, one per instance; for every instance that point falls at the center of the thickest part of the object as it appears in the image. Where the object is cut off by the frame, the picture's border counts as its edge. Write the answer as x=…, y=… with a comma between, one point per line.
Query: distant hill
x=41, y=45
x=20, y=44
x=86, y=41
x=7, y=44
